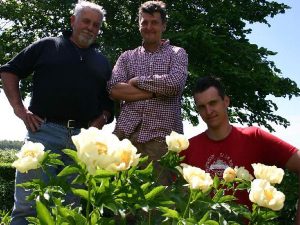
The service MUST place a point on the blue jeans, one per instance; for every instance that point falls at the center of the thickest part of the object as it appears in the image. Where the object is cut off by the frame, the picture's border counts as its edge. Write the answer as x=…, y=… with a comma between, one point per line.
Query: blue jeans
x=55, y=138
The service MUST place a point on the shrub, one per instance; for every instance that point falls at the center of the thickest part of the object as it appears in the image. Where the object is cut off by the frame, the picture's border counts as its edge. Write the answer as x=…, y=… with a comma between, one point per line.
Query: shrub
x=7, y=177
x=7, y=155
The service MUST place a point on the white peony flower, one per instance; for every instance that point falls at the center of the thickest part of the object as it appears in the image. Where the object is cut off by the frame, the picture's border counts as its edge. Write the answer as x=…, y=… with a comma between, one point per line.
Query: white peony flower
x=196, y=177
x=242, y=173
x=29, y=157
x=124, y=157
x=98, y=149
x=177, y=142
x=229, y=174
x=264, y=194
x=270, y=173
x=95, y=148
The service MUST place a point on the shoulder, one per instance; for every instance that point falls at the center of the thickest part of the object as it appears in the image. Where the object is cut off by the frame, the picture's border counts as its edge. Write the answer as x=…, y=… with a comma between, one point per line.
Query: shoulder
x=131, y=52
x=130, y=55
x=256, y=133
x=247, y=130
x=178, y=50
x=49, y=40
x=173, y=48
x=198, y=138
x=46, y=43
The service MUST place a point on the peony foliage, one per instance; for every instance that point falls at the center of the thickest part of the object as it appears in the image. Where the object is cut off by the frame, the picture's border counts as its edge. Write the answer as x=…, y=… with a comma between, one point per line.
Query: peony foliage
x=116, y=185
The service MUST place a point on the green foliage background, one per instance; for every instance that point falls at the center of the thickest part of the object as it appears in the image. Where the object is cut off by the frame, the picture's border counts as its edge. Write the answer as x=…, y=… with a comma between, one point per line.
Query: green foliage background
x=214, y=33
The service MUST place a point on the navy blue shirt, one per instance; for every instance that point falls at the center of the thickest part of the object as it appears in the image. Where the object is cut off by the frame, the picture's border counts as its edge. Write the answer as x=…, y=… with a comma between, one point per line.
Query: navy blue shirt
x=68, y=82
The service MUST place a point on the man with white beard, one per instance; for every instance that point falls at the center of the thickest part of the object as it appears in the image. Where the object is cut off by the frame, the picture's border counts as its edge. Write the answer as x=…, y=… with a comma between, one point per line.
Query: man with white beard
x=68, y=92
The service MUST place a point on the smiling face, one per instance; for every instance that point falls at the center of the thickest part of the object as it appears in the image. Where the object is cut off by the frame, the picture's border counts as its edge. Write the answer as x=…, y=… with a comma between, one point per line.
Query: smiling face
x=212, y=108
x=151, y=28
x=86, y=26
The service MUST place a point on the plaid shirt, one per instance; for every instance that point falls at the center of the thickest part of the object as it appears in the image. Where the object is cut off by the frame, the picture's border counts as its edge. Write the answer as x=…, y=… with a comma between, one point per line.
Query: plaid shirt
x=163, y=72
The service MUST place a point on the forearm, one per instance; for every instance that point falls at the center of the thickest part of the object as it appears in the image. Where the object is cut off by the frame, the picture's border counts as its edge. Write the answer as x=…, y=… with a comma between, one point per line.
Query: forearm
x=11, y=88
x=129, y=93
x=101, y=120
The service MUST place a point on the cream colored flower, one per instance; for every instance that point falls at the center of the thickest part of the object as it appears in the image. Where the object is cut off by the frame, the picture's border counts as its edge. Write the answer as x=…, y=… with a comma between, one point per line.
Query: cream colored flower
x=242, y=173
x=95, y=148
x=270, y=173
x=29, y=157
x=124, y=157
x=229, y=174
x=264, y=194
x=196, y=177
x=177, y=142
x=98, y=149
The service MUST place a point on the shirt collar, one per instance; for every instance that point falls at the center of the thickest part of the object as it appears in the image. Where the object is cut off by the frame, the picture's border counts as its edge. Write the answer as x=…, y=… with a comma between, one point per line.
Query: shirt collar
x=67, y=34
x=164, y=43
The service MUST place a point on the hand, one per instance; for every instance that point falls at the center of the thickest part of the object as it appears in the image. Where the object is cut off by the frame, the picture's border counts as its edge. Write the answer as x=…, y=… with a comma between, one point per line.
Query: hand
x=31, y=121
x=99, y=122
x=133, y=81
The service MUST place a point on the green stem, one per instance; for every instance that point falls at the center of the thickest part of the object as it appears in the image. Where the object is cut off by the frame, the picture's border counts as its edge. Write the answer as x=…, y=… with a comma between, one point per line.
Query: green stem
x=88, y=202
x=160, y=173
x=149, y=217
x=188, y=204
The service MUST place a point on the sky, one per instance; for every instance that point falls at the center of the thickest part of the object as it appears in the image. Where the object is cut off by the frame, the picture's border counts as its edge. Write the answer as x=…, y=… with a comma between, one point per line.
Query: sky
x=282, y=37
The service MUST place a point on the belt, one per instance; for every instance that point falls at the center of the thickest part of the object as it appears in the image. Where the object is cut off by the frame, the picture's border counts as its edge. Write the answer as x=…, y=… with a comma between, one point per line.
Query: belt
x=69, y=123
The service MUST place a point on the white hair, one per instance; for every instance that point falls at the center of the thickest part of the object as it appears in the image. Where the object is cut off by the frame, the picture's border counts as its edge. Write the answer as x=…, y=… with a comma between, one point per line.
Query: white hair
x=81, y=5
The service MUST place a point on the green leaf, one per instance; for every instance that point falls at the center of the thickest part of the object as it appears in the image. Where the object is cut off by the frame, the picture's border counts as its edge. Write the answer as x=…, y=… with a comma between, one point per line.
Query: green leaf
x=216, y=182
x=72, y=215
x=205, y=217
x=72, y=169
x=268, y=214
x=218, y=195
x=167, y=212
x=104, y=174
x=154, y=192
x=43, y=214
x=55, y=162
x=242, y=186
x=210, y=222
x=81, y=193
x=227, y=198
x=145, y=186
x=72, y=154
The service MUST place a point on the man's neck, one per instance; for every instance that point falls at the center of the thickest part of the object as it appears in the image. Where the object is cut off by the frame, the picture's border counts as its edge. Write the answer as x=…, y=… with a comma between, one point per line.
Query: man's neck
x=219, y=134
x=151, y=47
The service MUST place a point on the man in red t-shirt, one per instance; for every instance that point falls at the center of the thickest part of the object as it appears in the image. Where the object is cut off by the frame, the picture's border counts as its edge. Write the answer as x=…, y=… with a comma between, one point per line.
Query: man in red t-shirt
x=223, y=145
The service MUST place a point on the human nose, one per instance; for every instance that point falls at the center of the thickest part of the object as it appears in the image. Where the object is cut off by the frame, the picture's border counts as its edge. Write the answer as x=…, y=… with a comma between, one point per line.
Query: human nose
x=148, y=26
x=90, y=26
x=208, y=110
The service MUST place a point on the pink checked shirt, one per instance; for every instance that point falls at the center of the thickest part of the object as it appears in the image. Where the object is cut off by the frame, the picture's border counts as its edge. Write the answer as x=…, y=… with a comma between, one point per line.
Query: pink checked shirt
x=163, y=72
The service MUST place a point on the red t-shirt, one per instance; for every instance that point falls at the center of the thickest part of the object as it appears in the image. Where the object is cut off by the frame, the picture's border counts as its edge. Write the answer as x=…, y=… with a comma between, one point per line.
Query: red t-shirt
x=242, y=147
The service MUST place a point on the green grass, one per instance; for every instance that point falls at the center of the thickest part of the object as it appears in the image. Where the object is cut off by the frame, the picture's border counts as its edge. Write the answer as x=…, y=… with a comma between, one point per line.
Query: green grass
x=4, y=217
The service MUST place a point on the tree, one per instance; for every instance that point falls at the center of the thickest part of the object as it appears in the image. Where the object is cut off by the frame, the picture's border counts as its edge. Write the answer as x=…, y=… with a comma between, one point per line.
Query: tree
x=7, y=144
x=213, y=33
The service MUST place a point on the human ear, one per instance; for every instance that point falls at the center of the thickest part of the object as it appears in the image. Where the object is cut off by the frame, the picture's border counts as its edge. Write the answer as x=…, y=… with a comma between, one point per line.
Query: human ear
x=227, y=100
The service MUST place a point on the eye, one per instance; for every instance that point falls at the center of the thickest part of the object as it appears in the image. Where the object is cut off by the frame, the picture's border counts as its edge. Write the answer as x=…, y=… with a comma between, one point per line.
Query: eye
x=154, y=22
x=143, y=23
x=199, y=107
x=96, y=25
x=86, y=21
x=212, y=103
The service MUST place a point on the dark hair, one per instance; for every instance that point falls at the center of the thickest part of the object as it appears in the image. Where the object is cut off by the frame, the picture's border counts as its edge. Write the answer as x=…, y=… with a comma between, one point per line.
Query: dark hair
x=204, y=83
x=152, y=7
